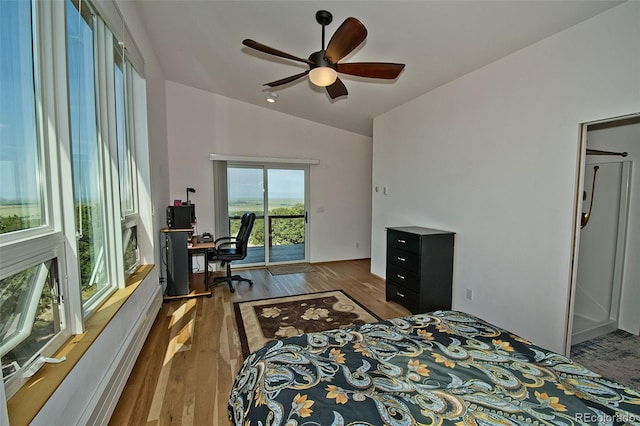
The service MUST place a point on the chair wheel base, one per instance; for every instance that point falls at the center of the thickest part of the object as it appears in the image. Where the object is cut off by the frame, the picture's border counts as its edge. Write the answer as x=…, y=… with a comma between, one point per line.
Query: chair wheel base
x=229, y=279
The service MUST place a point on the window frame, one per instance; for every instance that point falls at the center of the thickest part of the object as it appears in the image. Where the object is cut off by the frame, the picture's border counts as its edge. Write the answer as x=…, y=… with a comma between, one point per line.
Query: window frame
x=24, y=249
x=25, y=324
x=55, y=241
x=18, y=379
x=127, y=134
x=130, y=218
x=44, y=175
x=105, y=125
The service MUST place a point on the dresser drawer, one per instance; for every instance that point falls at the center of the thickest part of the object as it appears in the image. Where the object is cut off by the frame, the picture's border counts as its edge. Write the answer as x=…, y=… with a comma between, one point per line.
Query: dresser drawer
x=403, y=241
x=407, y=298
x=404, y=259
x=403, y=277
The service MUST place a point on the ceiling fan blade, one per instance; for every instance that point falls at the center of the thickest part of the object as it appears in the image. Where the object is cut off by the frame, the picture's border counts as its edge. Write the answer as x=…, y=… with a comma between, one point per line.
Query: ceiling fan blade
x=271, y=51
x=371, y=69
x=337, y=89
x=286, y=80
x=346, y=38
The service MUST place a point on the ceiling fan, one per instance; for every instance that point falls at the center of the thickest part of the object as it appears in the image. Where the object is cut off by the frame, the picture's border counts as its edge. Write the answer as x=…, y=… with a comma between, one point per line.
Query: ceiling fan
x=323, y=64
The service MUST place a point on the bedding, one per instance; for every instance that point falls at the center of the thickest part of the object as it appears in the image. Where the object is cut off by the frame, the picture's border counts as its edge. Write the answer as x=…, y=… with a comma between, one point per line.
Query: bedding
x=443, y=367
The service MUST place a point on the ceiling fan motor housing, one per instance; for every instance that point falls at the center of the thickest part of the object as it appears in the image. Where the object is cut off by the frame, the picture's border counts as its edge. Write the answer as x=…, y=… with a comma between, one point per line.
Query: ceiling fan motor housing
x=319, y=61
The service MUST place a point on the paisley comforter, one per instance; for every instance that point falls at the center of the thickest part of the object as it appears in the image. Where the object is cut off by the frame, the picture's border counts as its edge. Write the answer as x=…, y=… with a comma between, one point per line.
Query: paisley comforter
x=444, y=367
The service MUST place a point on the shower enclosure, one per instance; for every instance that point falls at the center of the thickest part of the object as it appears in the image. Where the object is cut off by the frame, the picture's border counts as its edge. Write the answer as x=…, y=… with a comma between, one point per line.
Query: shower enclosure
x=602, y=248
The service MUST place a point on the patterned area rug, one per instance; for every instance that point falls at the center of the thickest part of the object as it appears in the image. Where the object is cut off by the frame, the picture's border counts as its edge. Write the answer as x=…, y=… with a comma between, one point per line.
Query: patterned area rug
x=264, y=320
x=293, y=268
x=615, y=355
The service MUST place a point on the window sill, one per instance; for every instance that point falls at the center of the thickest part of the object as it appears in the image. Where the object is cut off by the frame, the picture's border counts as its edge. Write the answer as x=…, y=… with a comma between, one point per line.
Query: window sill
x=29, y=400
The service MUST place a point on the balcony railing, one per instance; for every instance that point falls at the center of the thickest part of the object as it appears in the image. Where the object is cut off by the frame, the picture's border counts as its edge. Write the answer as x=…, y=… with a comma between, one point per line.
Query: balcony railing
x=281, y=247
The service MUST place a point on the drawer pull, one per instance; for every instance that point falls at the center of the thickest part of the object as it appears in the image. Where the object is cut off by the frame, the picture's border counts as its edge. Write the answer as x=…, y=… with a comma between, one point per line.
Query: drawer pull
x=401, y=259
x=399, y=294
x=400, y=276
x=402, y=241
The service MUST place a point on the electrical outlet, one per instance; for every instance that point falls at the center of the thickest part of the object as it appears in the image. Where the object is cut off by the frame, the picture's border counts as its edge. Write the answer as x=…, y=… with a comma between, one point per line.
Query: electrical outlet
x=469, y=294
x=357, y=245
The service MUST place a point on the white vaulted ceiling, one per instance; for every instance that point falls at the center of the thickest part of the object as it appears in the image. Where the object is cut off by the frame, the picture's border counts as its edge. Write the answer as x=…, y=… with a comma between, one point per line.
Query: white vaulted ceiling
x=199, y=44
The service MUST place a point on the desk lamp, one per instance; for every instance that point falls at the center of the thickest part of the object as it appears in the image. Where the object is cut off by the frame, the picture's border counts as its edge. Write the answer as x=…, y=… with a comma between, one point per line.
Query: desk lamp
x=188, y=191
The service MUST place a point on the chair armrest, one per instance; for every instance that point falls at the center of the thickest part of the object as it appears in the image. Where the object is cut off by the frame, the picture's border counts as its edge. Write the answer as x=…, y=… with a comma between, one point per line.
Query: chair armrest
x=224, y=238
x=227, y=244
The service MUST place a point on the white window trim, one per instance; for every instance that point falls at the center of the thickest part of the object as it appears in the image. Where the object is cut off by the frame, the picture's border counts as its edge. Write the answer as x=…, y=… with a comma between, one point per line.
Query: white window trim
x=56, y=241
x=243, y=159
x=29, y=248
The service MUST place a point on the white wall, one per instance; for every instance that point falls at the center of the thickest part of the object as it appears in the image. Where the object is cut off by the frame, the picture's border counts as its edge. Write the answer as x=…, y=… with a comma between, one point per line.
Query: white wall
x=493, y=156
x=200, y=123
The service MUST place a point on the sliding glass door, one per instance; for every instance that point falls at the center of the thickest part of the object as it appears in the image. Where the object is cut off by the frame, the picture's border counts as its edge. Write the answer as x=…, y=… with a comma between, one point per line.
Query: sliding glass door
x=245, y=192
x=286, y=215
x=278, y=197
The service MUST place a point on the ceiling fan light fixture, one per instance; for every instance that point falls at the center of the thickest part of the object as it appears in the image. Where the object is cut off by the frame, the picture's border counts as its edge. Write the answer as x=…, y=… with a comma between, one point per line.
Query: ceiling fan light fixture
x=323, y=76
x=324, y=64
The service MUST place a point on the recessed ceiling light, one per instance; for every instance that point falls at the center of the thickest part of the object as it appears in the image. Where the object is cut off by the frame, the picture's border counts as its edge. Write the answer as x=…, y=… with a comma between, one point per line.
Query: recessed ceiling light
x=272, y=98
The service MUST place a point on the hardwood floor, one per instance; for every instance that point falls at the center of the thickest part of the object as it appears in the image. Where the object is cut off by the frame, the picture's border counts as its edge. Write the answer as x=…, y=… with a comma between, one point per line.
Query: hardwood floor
x=184, y=373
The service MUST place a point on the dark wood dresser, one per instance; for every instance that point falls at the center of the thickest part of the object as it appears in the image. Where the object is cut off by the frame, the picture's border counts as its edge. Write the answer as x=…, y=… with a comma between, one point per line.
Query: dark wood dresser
x=419, y=268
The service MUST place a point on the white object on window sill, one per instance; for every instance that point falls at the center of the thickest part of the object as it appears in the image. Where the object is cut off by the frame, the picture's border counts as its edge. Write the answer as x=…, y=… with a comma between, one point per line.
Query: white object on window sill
x=38, y=363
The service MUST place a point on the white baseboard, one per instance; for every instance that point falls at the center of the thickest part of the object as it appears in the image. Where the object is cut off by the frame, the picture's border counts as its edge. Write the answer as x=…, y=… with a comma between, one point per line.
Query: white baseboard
x=593, y=332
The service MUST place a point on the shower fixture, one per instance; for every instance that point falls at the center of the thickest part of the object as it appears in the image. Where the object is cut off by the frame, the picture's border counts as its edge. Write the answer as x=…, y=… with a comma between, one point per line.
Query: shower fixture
x=584, y=219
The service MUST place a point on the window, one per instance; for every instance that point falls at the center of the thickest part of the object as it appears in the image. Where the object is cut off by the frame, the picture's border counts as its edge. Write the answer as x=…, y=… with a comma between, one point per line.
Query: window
x=87, y=153
x=131, y=252
x=125, y=160
x=30, y=316
x=276, y=193
x=22, y=191
x=68, y=173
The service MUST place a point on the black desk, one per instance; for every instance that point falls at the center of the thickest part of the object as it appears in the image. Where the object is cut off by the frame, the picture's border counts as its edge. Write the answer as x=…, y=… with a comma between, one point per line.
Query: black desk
x=179, y=254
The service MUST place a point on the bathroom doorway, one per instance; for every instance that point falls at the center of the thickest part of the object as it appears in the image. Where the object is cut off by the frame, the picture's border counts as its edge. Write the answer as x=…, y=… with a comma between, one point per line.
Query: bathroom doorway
x=605, y=282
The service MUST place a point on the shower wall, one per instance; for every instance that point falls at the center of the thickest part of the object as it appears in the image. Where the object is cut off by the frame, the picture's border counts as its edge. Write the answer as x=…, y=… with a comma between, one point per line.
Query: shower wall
x=601, y=252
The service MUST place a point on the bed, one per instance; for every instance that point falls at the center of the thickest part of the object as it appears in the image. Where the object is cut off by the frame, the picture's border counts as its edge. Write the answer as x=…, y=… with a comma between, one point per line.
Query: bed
x=443, y=367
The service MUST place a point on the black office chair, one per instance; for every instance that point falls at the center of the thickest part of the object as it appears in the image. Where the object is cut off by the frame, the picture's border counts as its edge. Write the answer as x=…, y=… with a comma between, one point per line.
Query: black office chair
x=228, y=249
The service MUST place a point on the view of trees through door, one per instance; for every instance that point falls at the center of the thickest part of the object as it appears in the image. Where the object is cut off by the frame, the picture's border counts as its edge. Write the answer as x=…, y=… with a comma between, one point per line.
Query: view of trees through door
x=277, y=196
